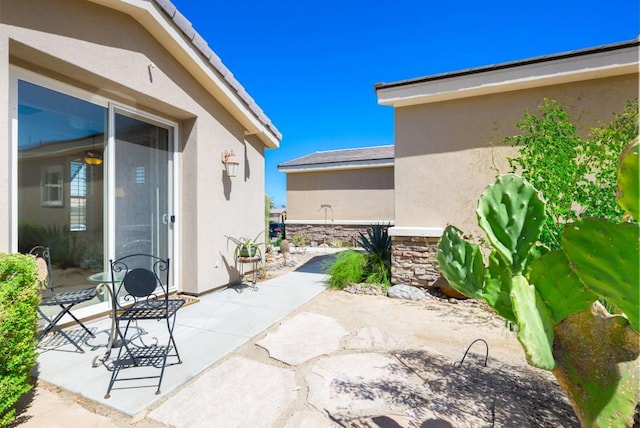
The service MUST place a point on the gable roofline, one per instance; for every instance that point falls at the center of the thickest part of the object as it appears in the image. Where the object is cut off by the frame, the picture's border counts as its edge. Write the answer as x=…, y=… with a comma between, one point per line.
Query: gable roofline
x=584, y=64
x=176, y=34
x=358, y=158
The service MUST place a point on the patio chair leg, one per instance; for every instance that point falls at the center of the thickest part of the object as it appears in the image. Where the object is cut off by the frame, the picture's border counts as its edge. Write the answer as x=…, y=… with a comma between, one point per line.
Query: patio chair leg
x=53, y=325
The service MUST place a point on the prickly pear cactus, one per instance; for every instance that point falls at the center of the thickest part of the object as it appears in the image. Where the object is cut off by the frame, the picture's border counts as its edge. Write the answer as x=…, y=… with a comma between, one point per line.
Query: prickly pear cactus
x=552, y=297
x=512, y=214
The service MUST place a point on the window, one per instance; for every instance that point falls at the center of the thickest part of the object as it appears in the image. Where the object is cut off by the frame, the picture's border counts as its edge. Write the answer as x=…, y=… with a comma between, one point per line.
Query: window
x=78, y=197
x=140, y=174
x=51, y=187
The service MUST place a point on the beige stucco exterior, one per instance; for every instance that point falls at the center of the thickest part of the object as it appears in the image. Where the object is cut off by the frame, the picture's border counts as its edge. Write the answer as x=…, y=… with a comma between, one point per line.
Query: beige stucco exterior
x=356, y=196
x=450, y=128
x=448, y=152
x=130, y=54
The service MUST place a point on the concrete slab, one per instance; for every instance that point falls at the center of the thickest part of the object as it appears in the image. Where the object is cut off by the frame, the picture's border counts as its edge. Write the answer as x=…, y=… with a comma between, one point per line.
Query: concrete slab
x=303, y=337
x=357, y=385
x=239, y=392
x=205, y=332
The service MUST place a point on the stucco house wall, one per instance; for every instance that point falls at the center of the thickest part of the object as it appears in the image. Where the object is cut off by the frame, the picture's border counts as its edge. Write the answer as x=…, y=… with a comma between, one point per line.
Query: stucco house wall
x=333, y=196
x=137, y=55
x=449, y=129
x=448, y=152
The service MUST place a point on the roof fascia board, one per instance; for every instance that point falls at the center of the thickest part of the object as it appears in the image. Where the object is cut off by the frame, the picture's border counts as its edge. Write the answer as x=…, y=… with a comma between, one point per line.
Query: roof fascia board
x=599, y=65
x=172, y=39
x=333, y=166
x=340, y=222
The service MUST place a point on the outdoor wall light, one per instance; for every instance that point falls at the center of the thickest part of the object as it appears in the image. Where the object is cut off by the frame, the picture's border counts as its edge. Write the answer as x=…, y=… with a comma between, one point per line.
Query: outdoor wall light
x=91, y=157
x=230, y=162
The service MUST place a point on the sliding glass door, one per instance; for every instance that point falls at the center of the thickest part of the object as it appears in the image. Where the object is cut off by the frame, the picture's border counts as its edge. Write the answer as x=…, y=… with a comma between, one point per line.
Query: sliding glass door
x=142, y=187
x=94, y=180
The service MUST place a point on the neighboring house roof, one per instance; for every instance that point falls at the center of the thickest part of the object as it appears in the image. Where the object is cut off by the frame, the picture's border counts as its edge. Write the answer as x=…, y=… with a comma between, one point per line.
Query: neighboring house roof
x=161, y=18
x=597, y=62
x=366, y=157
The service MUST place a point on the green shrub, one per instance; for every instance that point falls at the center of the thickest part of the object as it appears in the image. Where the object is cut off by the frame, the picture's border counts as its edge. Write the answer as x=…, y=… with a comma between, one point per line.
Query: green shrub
x=30, y=234
x=62, y=243
x=300, y=240
x=337, y=243
x=18, y=329
x=576, y=175
x=348, y=268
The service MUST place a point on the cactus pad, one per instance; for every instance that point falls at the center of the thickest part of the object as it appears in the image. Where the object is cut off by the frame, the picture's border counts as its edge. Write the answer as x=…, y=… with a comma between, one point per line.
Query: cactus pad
x=512, y=214
x=605, y=258
x=559, y=286
x=461, y=262
x=535, y=326
x=628, y=180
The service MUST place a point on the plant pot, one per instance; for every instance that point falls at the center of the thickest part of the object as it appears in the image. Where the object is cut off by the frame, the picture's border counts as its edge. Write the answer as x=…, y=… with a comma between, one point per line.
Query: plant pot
x=248, y=251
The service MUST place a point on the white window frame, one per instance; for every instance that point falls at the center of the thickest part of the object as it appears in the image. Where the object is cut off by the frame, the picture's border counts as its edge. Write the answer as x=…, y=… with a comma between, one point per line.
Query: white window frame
x=48, y=186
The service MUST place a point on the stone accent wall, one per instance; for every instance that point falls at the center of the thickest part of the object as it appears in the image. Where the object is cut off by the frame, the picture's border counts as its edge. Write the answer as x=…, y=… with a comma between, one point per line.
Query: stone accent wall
x=414, y=260
x=321, y=234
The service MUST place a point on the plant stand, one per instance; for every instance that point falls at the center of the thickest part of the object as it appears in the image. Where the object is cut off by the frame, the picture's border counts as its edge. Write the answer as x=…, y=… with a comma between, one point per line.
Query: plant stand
x=251, y=271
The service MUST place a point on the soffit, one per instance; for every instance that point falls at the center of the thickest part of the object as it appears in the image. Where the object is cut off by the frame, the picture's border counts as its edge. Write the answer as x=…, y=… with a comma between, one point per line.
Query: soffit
x=176, y=34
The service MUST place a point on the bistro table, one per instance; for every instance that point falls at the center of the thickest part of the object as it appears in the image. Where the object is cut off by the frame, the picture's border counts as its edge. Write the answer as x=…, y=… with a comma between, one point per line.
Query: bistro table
x=107, y=284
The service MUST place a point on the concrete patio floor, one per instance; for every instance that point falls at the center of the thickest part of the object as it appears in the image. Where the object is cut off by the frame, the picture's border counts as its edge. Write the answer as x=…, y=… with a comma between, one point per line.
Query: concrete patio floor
x=205, y=332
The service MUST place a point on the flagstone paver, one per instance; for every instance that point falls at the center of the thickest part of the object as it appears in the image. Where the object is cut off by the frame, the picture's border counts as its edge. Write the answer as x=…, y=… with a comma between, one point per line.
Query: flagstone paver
x=363, y=384
x=303, y=337
x=239, y=392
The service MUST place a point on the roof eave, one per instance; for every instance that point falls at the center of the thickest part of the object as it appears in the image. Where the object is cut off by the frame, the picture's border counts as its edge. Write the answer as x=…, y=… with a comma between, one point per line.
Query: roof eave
x=517, y=77
x=333, y=166
x=220, y=86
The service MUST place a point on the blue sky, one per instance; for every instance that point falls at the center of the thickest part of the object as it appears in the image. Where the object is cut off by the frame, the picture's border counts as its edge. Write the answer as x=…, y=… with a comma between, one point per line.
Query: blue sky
x=312, y=66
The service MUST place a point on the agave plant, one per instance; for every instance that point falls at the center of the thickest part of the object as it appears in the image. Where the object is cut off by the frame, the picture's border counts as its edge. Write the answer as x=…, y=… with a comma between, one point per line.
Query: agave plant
x=246, y=247
x=377, y=244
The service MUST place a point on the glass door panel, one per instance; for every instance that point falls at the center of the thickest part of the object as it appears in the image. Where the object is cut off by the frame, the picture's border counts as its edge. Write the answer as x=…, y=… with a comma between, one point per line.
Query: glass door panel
x=61, y=181
x=142, y=187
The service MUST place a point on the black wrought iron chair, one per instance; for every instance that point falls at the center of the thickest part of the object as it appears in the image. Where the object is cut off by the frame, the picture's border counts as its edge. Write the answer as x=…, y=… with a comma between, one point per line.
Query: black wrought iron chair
x=66, y=300
x=142, y=294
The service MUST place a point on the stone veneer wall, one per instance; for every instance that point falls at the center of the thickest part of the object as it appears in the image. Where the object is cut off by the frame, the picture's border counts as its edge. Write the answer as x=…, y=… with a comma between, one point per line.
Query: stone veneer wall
x=414, y=260
x=321, y=234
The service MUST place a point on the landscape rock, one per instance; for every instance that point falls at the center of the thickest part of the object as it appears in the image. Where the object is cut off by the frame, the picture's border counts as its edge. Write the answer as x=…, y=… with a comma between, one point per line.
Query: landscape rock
x=407, y=292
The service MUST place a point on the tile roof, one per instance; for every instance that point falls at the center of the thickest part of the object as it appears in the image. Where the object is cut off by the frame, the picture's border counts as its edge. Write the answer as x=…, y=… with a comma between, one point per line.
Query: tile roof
x=511, y=64
x=341, y=157
x=200, y=44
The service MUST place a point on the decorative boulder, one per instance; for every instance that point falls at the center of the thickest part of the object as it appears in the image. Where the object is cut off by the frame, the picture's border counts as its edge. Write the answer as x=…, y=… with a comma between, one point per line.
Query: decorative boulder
x=407, y=292
x=446, y=289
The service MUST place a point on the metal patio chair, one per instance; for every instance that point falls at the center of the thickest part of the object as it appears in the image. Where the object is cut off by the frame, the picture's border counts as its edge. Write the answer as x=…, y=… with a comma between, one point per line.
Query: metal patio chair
x=66, y=300
x=142, y=295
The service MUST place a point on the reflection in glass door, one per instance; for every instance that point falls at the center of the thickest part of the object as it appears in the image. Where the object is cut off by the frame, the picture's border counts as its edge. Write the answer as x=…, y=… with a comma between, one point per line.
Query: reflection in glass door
x=142, y=187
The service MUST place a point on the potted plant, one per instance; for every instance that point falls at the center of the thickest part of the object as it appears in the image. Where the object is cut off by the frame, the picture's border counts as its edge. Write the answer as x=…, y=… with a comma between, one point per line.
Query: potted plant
x=246, y=247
